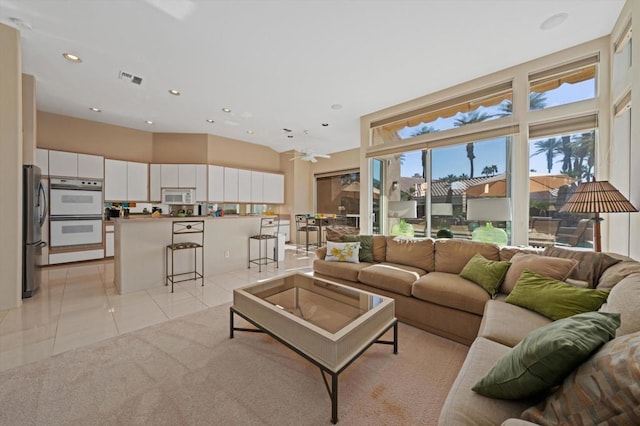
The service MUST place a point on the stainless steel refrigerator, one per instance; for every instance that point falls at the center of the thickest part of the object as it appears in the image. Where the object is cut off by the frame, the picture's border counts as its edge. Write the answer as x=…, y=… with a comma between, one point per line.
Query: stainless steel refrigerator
x=34, y=199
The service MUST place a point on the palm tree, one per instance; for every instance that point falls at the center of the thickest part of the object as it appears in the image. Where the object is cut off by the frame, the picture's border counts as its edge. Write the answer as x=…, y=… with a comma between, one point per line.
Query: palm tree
x=422, y=131
x=582, y=148
x=536, y=101
x=490, y=170
x=550, y=147
x=469, y=118
x=566, y=150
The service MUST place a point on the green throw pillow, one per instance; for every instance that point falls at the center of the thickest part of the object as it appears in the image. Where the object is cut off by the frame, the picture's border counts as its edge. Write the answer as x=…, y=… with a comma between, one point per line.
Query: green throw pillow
x=552, y=298
x=366, y=246
x=547, y=355
x=488, y=274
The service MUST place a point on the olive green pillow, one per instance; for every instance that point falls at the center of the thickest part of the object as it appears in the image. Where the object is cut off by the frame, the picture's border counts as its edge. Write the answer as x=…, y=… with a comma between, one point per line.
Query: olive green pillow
x=366, y=246
x=547, y=355
x=552, y=298
x=488, y=274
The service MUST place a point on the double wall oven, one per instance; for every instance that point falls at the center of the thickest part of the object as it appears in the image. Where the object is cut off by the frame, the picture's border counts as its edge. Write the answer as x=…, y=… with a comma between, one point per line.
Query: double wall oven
x=75, y=212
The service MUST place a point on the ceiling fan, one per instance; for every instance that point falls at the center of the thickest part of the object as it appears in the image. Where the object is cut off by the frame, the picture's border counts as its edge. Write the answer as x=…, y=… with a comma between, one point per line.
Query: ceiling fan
x=309, y=155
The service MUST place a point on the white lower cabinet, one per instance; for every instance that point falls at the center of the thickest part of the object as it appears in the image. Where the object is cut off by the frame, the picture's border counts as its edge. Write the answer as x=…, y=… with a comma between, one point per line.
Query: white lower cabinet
x=109, y=240
x=75, y=256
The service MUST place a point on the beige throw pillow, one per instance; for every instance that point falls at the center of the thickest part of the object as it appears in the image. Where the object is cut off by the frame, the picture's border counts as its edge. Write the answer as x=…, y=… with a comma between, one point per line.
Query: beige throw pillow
x=551, y=267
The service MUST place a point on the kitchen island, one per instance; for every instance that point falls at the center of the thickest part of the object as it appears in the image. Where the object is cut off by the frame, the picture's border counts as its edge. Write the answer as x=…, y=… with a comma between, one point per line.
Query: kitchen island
x=140, y=245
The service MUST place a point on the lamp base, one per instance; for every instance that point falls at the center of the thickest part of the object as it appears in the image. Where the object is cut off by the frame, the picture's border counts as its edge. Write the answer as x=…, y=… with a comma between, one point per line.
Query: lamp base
x=489, y=234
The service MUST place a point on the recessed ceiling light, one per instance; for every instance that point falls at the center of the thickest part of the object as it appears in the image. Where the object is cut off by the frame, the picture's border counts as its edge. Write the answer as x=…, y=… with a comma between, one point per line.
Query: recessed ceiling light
x=94, y=109
x=554, y=20
x=325, y=124
x=287, y=130
x=250, y=132
x=336, y=106
x=148, y=121
x=175, y=92
x=210, y=120
x=226, y=109
x=306, y=132
x=290, y=136
x=72, y=58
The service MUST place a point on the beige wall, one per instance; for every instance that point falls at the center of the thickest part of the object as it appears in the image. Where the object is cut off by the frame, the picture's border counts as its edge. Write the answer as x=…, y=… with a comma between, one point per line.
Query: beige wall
x=342, y=160
x=10, y=168
x=63, y=133
x=180, y=148
x=244, y=155
x=28, y=119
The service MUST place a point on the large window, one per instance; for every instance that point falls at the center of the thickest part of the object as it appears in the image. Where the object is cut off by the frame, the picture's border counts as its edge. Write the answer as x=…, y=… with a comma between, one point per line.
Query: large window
x=490, y=147
x=339, y=194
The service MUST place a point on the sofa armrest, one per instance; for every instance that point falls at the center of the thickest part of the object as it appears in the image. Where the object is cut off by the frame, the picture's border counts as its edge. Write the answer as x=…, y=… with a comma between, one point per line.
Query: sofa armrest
x=321, y=253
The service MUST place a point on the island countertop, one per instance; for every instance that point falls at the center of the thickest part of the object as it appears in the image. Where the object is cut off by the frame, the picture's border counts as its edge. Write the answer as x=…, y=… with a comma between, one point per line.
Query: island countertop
x=140, y=246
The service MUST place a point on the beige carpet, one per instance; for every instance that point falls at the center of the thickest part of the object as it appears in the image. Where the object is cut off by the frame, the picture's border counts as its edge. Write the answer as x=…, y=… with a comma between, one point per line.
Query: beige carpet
x=188, y=372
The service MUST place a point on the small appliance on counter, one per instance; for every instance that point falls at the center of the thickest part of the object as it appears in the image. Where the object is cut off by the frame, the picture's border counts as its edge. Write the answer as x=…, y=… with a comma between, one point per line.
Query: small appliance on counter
x=110, y=212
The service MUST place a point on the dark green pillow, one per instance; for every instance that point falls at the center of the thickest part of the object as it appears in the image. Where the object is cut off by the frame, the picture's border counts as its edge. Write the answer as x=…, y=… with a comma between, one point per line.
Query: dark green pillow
x=488, y=274
x=552, y=298
x=547, y=355
x=366, y=246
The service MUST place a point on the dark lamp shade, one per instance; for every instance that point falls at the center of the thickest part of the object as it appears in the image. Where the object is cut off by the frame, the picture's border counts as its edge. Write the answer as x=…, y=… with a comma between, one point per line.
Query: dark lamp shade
x=597, y=197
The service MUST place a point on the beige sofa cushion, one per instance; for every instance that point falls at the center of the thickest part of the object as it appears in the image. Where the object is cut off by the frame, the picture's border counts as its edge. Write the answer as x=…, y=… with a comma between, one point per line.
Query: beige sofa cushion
x=451, y=255
x=624, y=299
x=590, y=266
x=451, y=290
x=390, y=277
x=508, y=324
x=344, y=270
x=552, y=267
x=464, y=407
x=416, y=252
x=379, y=248
x=614, y=274
x=507, y=252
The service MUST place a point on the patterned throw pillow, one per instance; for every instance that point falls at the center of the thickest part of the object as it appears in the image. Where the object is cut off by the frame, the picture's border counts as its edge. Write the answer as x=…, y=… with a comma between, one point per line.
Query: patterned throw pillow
x=603, y=390
x=342, y=252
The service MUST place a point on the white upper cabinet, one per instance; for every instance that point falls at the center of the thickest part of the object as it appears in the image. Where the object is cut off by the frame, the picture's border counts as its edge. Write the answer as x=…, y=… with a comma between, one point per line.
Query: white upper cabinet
x=244, y=186
x=257, y=179
x=216, y=184
x=137, y=181
x=201, y=182
x=63, y=163
x=71, y=164
x=125, y=181
x=273, y=188
x=154, y=182
x=115, y=180
x=186, y=176
x=169, y=175
x=42, y=160
x=90, y=166
x=230, y=185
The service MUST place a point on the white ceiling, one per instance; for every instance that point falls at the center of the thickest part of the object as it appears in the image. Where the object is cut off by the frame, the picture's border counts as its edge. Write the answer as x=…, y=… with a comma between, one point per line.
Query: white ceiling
x=278, y=64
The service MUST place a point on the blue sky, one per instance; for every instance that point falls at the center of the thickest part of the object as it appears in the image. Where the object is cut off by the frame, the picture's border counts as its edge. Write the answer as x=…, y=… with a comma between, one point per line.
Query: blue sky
x=453, y=160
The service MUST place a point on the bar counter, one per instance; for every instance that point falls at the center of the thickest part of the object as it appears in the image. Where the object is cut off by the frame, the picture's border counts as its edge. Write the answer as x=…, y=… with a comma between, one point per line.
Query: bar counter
x=140, y=246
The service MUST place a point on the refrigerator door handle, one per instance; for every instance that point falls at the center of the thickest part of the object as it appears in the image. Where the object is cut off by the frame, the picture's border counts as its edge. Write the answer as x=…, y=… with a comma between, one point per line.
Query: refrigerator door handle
x=42, y=244
x=43, y=217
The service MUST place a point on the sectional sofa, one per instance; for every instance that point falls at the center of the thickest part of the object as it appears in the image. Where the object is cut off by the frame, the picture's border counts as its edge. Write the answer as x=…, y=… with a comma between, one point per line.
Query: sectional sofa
x=423, y=277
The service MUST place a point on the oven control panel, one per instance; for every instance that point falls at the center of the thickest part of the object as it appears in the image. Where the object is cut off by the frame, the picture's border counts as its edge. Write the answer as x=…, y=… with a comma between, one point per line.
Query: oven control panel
x=76, y=183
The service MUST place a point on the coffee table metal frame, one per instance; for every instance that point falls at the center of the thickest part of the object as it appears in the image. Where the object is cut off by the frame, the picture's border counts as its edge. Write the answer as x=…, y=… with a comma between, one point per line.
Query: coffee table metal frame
x=324, y=370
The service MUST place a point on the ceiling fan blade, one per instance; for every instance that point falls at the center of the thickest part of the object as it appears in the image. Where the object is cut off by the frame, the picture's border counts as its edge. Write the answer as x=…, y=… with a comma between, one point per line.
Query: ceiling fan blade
x=313, y=160
x=323, y=155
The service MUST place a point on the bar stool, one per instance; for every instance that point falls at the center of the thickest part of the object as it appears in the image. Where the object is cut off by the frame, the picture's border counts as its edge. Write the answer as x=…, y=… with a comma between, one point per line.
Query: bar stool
x=303, y=225
x=269, y=230
x=185, y=235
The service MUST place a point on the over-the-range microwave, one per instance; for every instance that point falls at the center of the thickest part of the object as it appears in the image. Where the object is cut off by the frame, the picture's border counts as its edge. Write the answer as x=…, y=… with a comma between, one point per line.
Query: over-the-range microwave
x=178, y=196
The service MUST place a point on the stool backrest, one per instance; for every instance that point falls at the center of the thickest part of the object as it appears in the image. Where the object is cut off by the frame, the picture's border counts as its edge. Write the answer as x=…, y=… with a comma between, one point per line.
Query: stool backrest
x=270, y=225
x=184, y=230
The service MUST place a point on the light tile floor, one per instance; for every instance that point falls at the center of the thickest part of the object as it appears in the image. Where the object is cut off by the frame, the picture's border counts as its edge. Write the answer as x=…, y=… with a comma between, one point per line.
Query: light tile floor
x=77, y=304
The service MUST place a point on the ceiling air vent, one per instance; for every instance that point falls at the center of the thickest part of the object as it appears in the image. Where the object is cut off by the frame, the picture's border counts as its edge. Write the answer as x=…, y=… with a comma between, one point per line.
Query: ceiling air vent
x=130, y=77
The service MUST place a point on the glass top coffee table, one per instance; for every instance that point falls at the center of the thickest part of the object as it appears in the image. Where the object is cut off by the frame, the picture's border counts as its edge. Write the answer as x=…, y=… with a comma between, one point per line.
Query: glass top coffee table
x=327, y=323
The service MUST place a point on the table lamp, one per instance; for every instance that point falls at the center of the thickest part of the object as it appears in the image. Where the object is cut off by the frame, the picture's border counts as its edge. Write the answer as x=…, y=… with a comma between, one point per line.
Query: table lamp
x=597, y=197
x=489, y=209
